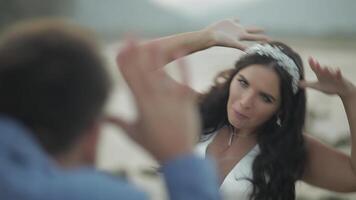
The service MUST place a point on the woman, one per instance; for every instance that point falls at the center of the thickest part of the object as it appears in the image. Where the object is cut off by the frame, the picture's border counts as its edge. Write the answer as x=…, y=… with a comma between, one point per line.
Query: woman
x=253, y=117
x=262, y=122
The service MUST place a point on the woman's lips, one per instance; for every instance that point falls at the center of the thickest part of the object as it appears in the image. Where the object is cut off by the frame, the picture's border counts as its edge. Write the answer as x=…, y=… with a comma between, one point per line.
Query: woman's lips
x=240, y=116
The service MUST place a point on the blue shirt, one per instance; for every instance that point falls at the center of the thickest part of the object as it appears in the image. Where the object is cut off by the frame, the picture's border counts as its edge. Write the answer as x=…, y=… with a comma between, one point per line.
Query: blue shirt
x=28, y=173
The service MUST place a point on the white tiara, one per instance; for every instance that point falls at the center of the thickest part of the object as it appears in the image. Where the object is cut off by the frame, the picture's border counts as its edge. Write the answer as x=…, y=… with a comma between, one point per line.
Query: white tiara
x=282, y=59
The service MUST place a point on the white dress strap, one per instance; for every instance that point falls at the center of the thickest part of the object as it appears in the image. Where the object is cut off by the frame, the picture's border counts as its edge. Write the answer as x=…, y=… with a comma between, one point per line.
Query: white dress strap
x=201, y=147
x=236, y=184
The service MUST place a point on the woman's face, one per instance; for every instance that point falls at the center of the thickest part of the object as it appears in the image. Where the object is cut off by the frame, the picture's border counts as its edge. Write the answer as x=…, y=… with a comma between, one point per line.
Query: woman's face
x=254, y=97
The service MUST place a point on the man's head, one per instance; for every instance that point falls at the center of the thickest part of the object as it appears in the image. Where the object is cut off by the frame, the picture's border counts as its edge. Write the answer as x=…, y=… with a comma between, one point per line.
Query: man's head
x=53, y=80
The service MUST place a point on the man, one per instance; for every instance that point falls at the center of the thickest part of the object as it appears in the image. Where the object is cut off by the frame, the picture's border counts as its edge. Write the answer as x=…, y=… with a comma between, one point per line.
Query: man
x=53, y=86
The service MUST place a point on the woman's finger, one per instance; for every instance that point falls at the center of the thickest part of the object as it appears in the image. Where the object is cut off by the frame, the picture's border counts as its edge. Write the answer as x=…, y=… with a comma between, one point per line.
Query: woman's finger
x=309, y=84
x=254, y=29
x=254, y=37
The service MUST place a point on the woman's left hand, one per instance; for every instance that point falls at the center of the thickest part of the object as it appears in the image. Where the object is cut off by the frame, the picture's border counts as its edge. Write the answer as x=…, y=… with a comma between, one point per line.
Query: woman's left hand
x=330, y=81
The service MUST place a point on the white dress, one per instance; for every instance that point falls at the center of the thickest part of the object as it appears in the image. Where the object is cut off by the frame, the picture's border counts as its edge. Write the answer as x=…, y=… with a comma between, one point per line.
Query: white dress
x=235, y=185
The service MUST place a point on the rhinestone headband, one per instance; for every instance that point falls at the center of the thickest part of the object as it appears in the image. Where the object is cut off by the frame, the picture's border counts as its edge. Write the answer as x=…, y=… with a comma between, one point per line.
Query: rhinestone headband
x=282, y=59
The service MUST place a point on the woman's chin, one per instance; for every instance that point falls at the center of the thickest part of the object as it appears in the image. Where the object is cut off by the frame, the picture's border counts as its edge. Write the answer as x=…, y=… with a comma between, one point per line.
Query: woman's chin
x=236, y=124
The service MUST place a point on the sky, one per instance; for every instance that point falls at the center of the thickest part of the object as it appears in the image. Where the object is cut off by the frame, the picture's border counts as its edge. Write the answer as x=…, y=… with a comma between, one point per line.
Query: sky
x=198, y=7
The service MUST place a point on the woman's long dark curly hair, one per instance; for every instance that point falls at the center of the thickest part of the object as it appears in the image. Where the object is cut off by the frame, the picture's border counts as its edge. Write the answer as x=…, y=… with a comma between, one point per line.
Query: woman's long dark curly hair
x=282, y=156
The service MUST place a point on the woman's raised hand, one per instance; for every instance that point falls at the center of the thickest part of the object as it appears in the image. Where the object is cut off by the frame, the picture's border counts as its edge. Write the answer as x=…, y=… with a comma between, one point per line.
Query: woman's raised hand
x=230, y=33
x=330, y=81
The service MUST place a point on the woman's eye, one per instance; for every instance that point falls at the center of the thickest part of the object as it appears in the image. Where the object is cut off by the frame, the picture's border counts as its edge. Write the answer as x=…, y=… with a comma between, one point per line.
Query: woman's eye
x=266, y=99
x=243, y=83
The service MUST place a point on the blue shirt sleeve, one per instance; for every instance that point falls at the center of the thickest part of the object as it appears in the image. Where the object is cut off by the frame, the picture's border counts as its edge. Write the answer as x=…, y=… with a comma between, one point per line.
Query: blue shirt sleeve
x=27, y=173
x=191, y=178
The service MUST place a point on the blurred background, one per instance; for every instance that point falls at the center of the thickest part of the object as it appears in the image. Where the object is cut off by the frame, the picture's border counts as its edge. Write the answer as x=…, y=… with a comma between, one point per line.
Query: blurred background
x=325, y=29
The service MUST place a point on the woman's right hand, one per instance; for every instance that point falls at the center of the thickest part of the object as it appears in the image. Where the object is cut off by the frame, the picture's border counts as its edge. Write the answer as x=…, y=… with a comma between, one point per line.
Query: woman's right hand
x=230, y=33
x=226, y=33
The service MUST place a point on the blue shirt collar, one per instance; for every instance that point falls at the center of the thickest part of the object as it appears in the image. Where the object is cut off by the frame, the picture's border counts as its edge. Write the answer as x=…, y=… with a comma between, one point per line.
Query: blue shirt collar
x=17, y=139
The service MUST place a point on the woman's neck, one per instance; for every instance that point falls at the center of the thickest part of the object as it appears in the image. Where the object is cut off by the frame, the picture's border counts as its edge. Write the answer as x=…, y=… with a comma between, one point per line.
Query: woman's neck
x=243, y=133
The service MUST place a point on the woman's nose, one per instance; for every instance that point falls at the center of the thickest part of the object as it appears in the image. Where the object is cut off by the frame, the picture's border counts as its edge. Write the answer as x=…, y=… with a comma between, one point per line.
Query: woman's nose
x=246, y=100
